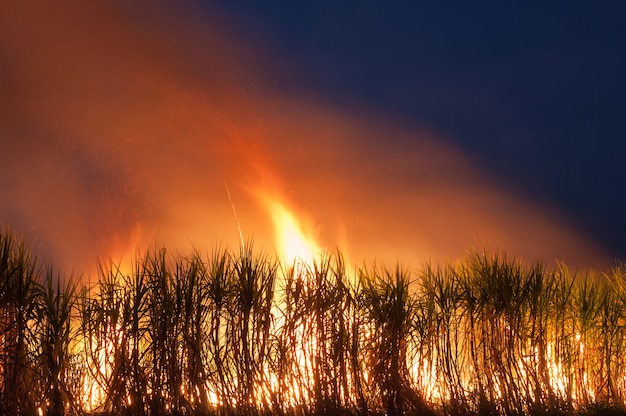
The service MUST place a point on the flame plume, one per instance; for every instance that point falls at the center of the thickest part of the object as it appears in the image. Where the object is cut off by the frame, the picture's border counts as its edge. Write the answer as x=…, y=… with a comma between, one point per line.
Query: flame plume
x=293, y=244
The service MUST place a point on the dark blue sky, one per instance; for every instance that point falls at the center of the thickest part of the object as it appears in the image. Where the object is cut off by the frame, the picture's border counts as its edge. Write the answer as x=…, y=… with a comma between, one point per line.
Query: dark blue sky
x=533, y=92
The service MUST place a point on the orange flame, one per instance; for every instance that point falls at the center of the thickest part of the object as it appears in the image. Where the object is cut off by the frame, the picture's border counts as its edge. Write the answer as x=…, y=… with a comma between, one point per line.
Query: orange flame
x=294, y=240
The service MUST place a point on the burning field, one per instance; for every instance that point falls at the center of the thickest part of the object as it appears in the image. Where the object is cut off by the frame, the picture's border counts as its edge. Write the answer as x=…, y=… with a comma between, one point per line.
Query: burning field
x=243, y=333
x=126, y=129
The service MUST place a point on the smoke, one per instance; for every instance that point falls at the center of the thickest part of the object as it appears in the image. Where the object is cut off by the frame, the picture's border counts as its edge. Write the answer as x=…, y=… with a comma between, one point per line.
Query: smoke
x=120, y=125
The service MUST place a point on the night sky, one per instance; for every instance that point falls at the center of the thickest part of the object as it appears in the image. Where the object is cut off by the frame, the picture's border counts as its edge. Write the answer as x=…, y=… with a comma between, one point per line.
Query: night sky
x=533, y=92
x=392, y=130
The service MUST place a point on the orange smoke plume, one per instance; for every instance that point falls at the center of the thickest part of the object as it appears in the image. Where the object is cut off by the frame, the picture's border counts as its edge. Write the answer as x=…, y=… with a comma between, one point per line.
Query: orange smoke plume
x=120, y=127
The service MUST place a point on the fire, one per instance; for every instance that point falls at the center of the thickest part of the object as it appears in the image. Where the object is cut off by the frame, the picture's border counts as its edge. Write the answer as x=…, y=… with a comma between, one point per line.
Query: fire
x=297, y=248
x=293, y=240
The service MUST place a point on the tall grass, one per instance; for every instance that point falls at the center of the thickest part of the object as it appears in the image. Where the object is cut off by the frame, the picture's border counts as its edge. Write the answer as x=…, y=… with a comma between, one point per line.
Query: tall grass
x=237, y=333
x=18, y=311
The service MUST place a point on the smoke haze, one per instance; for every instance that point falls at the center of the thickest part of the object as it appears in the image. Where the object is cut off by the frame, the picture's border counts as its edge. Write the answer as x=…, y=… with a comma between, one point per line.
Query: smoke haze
x=121, y=126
